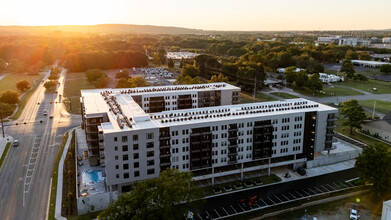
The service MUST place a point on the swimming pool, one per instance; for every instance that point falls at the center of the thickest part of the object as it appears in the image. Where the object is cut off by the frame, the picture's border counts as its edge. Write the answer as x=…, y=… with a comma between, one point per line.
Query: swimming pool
x=92, y=176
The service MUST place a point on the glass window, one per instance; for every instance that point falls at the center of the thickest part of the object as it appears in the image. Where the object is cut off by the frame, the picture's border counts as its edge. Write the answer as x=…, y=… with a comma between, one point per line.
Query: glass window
x=135, y=137
x=125, y=148
x=124, y=138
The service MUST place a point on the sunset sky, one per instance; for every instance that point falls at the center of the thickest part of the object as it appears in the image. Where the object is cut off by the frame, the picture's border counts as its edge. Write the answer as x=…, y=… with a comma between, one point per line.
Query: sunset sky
x=243, y=15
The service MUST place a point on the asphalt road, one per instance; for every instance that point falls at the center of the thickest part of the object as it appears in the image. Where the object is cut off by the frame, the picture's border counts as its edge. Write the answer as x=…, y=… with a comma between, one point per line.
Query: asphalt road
x=26, y=173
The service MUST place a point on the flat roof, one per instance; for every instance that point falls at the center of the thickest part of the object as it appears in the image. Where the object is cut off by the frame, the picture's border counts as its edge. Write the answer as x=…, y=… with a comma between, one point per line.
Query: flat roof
x=369, y=62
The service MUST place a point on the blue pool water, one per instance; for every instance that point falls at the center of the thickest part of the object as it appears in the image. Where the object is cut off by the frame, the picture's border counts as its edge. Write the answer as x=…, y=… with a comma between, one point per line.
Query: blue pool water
x=92, y=176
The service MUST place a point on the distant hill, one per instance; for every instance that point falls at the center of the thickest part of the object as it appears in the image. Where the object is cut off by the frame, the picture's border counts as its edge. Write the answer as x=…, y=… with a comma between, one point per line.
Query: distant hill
x=102, y=28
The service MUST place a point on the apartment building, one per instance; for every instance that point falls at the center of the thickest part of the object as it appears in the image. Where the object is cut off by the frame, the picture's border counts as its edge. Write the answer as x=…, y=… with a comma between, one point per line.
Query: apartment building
x=211, y=141
x=96, y=108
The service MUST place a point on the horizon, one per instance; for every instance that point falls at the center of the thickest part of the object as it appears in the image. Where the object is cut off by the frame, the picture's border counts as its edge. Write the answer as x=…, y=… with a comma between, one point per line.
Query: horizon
x=250, y=15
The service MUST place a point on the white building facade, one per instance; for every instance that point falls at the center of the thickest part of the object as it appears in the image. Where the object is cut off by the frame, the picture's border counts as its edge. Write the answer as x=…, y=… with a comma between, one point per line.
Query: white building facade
x=212, y=142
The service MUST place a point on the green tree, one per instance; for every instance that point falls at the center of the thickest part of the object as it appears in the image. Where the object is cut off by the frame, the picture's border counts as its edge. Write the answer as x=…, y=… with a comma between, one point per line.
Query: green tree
x=137, y=81
x=23, y=85
x=94, y=74
x=290, y=74
x=168, y=196
x=364, y=56
x=353, y=114
x=122, y=83
x=190, y=70
x=186, y=80
x=218, y=78
x=301, y=78
x=101, y=82
x=348, y=68
x=170, y=63
x=374, y=164
x=10, y=97
x=386, y=69
x=50, y=85
x=314, y=83
x=5, y=110
x=3, y=64
x=122, y=74
x=351, y=55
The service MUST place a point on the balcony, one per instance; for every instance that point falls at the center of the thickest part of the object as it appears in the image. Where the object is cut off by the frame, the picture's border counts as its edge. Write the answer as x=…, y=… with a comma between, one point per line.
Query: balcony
x=164, y=138
x=164, y=155
x=232, y=154
x=165, y=164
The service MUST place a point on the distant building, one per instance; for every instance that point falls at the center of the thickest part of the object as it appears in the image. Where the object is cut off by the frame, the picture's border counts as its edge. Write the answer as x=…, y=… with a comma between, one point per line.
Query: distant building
x=354, y=42
x=330, y=78
x=386, y=40
x=368, y=63
x=329, y=40
x=379, y=128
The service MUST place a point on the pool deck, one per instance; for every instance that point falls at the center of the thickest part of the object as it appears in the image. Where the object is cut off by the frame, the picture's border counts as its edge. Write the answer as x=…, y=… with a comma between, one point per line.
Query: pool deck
x=94, y=188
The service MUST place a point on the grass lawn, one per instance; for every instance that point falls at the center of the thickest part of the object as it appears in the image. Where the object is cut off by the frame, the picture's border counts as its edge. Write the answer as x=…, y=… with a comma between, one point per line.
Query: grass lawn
x=381, y=106
x=87, y=216
x=10, y=80
x=284, y=95
x=74, y=82
x=345, y=130
x=53, y=190
x=7, y=147
x=248, y=98
x=381, y=86
x=327, y=92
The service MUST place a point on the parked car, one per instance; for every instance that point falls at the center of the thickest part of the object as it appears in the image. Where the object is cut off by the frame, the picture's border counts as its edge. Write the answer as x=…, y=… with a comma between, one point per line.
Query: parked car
x=45, y=112
x=301, y=171
x=15, y=143
x=51, y=116
x=354, y=212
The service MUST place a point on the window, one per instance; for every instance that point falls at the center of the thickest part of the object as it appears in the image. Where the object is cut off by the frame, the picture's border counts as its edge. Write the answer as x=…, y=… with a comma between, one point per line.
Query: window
x=117, y=175
x=150, y=171
x=125, y=166
x=136, y=173
x=149, y=136
x=125, y=157
x=125, y=148
x=116, y=148
x=150, y=145
x=115, y=139
x=116, y=167
x=135, y=146
x=136, y=165
x=135, y=137
x=116, y=157
x=150, y=153
x=124, y=138
x=150, y=162
x=135, y=156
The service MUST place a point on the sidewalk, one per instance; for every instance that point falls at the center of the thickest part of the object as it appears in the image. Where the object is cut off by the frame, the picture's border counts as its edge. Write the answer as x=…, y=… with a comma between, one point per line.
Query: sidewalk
x=4, y=141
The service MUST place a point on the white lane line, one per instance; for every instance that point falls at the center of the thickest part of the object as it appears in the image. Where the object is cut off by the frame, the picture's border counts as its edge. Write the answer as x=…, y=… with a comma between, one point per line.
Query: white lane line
x=234, y=209
x=217, y=213
x=224, y=210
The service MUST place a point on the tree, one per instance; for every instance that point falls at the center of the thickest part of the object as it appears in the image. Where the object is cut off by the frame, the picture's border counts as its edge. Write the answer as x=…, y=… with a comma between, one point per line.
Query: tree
x=186, y=80
x=170, y=63
x=9, y=97
x=353, y=114
x=386, y=69
x=290, y=74
x=122, y=74
x=122, y=83
x=50, y=85
x=374, y=164
x=301, y=78
x=138, y=81
x=3, y=64
x=364, y=56
x=165, y=197
x=23, y=85
x=351, y=55
x=219, y=78
x=190, y=70
x=101, y=82
x=314, y=83
x=5, y=110
x=348, y=68
x=94, y=74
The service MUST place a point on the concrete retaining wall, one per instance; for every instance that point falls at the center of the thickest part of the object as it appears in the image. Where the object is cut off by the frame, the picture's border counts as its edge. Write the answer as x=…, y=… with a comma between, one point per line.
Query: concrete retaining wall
x=333, y=158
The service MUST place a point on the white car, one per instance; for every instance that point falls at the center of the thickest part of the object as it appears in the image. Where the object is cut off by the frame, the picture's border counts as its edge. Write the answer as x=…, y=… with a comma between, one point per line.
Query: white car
x=354, y=213
x=45, y=112
x=15, y=143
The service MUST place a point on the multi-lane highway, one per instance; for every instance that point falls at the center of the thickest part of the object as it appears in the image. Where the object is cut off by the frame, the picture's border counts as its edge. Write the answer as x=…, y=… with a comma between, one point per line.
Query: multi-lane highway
x=26, y=174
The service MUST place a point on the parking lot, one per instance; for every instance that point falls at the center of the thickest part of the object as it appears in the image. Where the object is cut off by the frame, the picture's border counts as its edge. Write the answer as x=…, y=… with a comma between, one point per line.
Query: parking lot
x=261, y=201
